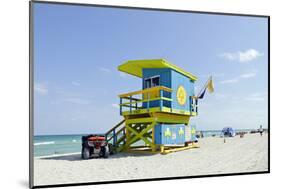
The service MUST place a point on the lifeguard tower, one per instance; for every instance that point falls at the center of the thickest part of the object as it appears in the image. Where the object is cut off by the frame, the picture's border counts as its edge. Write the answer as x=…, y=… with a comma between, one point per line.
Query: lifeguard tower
x=156, y=118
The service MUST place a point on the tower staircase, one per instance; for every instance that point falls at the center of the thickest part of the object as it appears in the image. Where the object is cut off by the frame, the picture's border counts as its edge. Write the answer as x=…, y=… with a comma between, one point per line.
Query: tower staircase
x=116, y=136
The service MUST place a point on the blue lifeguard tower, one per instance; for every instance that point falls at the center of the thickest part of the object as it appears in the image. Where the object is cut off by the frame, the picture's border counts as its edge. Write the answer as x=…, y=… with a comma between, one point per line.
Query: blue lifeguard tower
x=159, y=113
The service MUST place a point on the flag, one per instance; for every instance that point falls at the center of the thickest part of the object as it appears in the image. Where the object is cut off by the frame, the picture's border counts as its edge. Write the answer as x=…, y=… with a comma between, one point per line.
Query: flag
x=202, y=94
x=209, y=85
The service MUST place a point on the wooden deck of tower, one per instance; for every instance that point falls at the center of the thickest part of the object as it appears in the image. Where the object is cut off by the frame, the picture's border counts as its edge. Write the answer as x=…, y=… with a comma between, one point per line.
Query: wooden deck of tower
x=158, y=114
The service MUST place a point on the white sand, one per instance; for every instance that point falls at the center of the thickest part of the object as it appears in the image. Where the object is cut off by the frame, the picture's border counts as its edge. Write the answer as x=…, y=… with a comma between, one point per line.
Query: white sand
x=248, y=154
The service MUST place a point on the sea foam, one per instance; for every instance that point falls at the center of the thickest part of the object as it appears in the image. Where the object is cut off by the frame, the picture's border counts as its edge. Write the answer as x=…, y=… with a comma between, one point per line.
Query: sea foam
x=44, y=143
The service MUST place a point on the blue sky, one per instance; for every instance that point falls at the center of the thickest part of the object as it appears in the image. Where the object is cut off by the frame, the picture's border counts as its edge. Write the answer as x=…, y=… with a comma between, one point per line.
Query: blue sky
x=77, y=50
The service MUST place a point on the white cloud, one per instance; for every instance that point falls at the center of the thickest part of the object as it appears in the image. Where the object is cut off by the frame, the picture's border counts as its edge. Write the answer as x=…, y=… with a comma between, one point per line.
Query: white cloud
x=256, y=97
x=245, y=56
x=228, y=81
x=105, y=70
x=248, y=75
x=75, y=83
x=41, y=88
x=242, y=76
x=249, y=55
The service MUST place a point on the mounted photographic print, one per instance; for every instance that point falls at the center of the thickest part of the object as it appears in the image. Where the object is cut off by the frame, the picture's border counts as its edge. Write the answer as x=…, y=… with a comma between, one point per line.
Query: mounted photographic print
x=122, y=94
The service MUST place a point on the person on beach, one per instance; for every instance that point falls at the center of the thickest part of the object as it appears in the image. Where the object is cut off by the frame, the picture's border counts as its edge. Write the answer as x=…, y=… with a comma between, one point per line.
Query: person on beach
x=260, y=130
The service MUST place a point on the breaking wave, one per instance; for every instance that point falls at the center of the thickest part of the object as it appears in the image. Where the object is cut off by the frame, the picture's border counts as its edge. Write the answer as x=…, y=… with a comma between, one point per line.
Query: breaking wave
x=44, y=143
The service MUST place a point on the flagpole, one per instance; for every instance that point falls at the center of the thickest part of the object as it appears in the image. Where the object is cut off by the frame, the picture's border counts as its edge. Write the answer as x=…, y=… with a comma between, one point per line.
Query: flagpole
x=204, y=87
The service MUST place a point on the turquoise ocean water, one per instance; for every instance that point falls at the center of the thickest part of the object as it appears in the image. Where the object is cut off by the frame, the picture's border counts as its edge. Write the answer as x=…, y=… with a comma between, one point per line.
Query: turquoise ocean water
x=56, y=144
x=45, y=145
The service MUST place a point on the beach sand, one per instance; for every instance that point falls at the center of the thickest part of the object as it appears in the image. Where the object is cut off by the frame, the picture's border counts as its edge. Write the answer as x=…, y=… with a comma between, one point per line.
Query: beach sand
x=248, y=154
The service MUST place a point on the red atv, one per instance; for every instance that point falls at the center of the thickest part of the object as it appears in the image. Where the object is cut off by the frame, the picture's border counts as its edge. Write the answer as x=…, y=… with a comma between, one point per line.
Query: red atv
x=94, y=144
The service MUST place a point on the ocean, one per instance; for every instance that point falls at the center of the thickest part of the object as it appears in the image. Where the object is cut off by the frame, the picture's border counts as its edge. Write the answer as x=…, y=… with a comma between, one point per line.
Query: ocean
x=46, y=145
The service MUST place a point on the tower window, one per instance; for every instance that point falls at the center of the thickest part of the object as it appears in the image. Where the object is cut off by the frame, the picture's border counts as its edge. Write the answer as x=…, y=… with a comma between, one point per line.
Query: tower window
x=152, y=82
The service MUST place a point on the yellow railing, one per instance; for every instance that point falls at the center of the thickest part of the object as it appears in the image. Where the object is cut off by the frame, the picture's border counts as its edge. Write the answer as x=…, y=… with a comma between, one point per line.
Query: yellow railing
x=144, y=96
x=148, y=90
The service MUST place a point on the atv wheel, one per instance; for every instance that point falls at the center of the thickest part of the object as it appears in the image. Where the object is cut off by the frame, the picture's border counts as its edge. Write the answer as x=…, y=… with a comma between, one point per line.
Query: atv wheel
x=105, y=151
x=85, y=153
x=111, y=150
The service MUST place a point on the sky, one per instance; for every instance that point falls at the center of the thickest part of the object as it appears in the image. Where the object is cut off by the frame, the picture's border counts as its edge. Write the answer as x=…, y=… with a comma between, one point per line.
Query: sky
x=77, y=50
